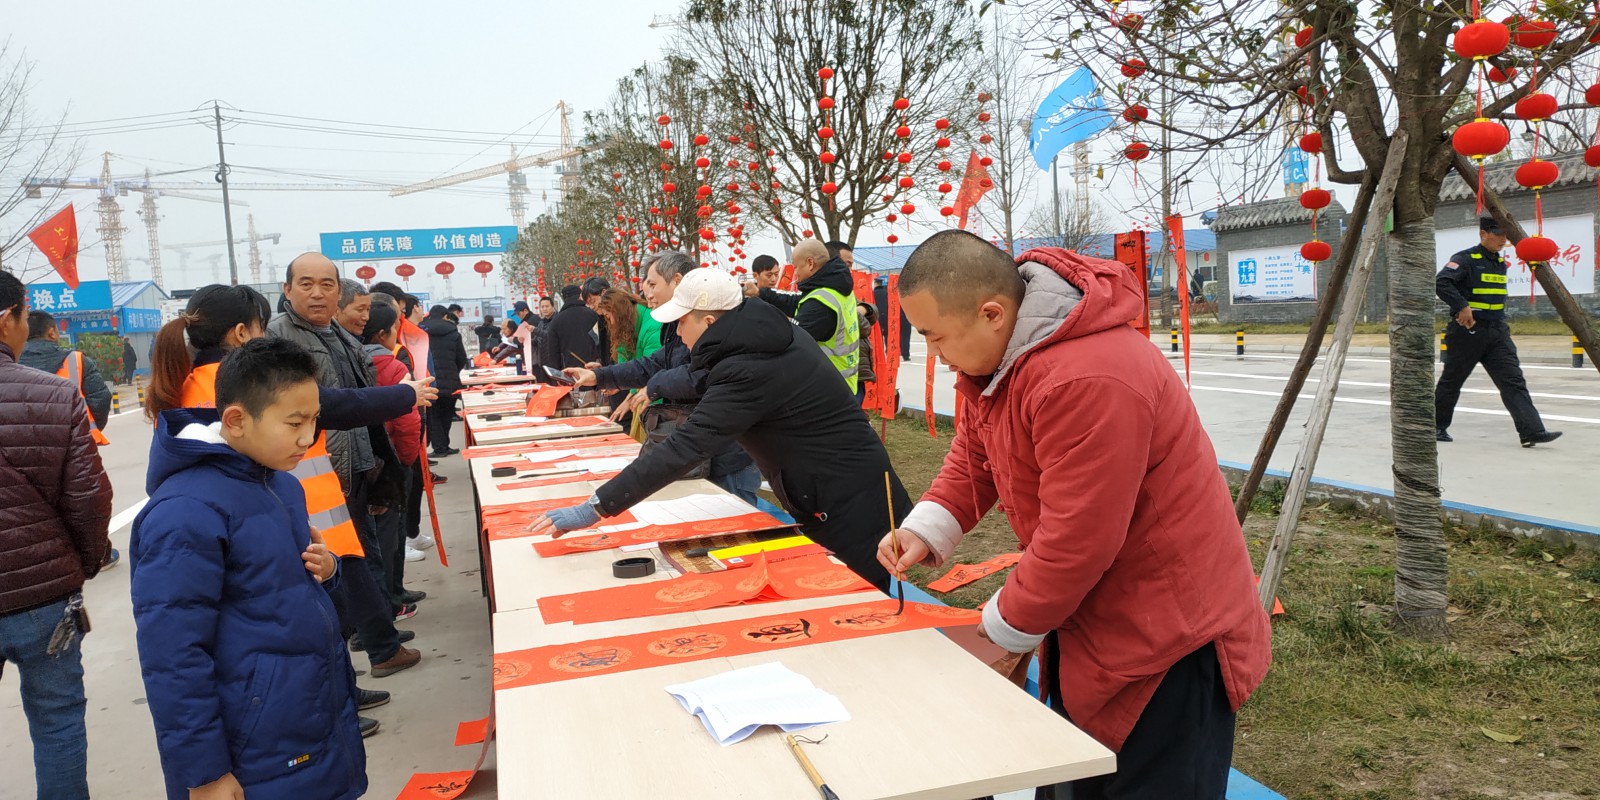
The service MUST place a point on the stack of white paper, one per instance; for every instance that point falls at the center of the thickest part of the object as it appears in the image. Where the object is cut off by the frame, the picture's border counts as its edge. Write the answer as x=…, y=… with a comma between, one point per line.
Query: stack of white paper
x=692, y=508
x=734, y=704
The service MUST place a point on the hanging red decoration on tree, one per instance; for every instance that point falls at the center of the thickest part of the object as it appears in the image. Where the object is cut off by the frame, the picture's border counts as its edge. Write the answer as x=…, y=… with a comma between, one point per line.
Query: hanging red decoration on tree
x=1481, y=39
x=1315, y=199
x=1133, y=68
x=1531, y=34
x=1537, y=250
x=1316, y=250
x=1136, y=151
x=1537, y=174
x=1311, y=143
x=1536, y=106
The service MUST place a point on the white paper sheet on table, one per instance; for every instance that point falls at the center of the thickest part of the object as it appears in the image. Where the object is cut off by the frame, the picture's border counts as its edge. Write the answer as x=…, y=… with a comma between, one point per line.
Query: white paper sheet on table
x=733, y=705
x=539, y=457
x=517, y=418
x=693, y=508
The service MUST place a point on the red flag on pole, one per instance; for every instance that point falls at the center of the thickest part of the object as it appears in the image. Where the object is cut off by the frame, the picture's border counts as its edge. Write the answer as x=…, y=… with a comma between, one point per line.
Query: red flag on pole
x=973, y=187
x=1180, y=258
x=57, y=238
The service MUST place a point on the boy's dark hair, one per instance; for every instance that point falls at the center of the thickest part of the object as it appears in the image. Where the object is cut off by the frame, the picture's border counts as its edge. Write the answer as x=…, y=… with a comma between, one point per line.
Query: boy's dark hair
x=961, y=269
x=388, y=288
x=438, y=311
x=411, y=302
x=39, y=324
x=763, y=263
x=382, y=318
x=835, y=246
x=12, y=293
x=253, y=374
x=455, y=308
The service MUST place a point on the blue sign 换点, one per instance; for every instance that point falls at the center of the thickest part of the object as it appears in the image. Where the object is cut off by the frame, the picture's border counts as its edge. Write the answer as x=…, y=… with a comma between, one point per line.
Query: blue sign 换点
x=417, y=243
x=141, y=320
x=56, y=298
x=1072, y=113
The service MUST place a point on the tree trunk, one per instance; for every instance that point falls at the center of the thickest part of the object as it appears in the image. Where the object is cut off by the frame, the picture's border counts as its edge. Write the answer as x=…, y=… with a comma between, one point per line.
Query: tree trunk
x=1421, y=561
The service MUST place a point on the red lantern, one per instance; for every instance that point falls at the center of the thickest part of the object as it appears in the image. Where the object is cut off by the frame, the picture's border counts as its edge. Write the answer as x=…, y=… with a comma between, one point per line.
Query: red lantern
x=983, y=116
x=669, y=188
x=891, y=217
x=1592, y=95
x=1537, y=174
x=702, y=191
x=891, y=238
x=1304, y=93
x=986, y=161
x=1304, y=36
x=663, y=120
x=1480, y=139
x=702, y=162
x=947, y=211
x=903, y=132
x=824, y=133
x=1482, y=39
x=701, y=140
x=1537, y=249
x=1131, y=23
x=666, y=144
x=908, y=209
x=942, y=142
x=1314, y=251
x=1133, y=68
x=825, y=73
x=1136, y=113
x=1537, y=106
x=944, y=188
x=906, y=182
x=1311, y=142
x=1137, y=151
x=444, y=268
x=733, y=139
x=941, y=123
x=827, y=157
x=1592, y=156
x=904, y=158
x=366, y=273
x=1532, y=34
x=944, y=166
x=1315, y=199
x=1498, y=75
x=830, y=187
x=484, y=268
x=405, y=271
x=825, y=103
x=902, y=103
x=985, y=139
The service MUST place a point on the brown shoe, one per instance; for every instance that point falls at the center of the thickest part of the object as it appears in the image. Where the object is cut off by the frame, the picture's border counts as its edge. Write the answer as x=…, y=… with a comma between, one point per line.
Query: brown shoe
x=404, y=658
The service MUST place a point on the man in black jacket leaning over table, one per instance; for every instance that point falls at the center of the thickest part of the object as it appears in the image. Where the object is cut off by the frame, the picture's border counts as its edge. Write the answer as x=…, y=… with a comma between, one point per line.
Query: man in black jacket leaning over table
x=568, y=338
x=449, y=358
x=770, y=388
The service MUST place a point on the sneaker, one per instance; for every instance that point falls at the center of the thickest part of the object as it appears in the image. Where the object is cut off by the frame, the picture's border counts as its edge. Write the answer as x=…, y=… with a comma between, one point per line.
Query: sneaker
x=1542, y=437
x=1442, y=435
x=422, y=542
x=413, y=597
x=407, y=611
x=404, y=658
x=413, y=554
x=368, y=725
x=115, y=556
x=367, y=698
x=440, y=479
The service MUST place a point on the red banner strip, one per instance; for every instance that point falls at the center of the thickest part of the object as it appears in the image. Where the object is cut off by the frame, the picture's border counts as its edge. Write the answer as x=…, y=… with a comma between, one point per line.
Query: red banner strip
x=744, y=523
x=964, y=574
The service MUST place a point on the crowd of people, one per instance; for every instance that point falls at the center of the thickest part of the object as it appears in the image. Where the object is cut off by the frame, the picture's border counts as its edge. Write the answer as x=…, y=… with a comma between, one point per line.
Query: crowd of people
x=291, y=456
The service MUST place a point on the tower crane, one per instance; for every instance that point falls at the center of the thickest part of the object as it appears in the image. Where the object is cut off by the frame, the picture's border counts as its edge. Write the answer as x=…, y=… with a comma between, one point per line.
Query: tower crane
x=253, y=239
x=516, y=182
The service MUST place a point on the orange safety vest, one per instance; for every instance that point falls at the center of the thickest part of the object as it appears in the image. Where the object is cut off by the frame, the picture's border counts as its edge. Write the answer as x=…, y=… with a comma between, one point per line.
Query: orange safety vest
x=72, y=370
x=324, y=497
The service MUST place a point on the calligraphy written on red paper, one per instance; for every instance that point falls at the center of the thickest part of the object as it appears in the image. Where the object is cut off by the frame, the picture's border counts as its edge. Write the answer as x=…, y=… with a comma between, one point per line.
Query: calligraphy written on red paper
x=964, y=574
x=744, y=523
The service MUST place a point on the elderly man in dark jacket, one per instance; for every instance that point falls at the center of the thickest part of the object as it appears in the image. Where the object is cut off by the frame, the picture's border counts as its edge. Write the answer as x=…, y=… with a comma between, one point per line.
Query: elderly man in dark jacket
x=55, y=507
x=770, y=389
x=449, y=358
x=44, y=352
x=666, y=375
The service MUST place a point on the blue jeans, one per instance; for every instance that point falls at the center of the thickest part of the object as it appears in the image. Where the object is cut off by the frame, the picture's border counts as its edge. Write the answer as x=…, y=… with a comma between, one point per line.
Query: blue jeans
x=52, y=697
x=742, y=484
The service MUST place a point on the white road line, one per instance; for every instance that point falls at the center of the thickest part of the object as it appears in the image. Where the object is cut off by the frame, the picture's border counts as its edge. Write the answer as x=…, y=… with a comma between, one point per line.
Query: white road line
x=1378, y=385
x=1365, y=402
x=125, y=517
x=1363, y=360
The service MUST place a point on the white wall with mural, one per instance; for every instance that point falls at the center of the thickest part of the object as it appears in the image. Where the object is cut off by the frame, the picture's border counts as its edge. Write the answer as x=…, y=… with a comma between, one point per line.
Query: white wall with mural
x=1271, y=275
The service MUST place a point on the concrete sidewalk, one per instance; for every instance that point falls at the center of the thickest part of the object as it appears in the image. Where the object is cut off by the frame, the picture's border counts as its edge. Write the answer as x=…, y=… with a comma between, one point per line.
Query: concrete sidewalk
x=1555, y=350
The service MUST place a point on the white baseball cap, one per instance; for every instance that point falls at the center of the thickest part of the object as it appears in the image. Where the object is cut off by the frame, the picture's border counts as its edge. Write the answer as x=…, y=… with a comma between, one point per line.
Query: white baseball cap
x=703, y=289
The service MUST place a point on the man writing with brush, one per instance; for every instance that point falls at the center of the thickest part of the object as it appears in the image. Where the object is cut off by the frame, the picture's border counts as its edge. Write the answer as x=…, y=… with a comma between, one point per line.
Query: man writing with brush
x=771, y=389
x=1134, y=575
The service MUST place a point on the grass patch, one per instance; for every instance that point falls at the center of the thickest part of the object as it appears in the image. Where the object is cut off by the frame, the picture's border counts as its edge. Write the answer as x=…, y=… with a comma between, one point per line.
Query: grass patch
x=1350, y=710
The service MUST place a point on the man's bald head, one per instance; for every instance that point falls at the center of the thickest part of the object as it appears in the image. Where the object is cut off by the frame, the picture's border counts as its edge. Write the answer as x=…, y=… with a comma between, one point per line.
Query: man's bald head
x=310, y=260
x=962, y=271
x=809, y=256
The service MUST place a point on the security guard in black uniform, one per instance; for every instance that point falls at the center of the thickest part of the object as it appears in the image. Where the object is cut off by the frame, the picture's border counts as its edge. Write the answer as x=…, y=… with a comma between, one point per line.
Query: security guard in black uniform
x=1473, y=284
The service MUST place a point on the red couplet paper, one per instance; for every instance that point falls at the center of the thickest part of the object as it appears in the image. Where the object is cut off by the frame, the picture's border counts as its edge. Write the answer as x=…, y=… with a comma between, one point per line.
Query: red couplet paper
x=744, y=523
x=964, y=574
x=561, y=422
x=719, y=640
x=450, y=785
x=790, y=579
x=521, y=448
x=472, y=731
x=543, y=402
x=557, y=480
x=512, y=521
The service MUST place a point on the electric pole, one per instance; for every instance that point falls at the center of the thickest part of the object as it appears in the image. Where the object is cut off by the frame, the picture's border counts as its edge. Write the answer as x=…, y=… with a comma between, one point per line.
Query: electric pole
x=227, y=208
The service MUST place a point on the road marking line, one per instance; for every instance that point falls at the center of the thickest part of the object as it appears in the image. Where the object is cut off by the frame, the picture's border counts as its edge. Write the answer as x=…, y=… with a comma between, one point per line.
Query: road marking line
x=1377, y=385
x=1365, y=402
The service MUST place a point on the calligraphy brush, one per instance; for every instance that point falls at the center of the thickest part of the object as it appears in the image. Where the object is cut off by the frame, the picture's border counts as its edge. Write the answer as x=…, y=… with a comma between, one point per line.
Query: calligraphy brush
x=894, y=540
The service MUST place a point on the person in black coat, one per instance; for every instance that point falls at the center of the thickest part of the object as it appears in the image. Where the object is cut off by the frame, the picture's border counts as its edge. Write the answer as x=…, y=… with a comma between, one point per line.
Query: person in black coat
x=816, y=270
x=568, y=340
x=774, y=392
x=449, y=356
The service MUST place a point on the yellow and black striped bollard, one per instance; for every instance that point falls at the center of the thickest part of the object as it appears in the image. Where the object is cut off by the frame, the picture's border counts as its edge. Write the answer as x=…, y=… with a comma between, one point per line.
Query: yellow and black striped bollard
x=116, y=402
x=141, y=395
x=1577, y=354
x=1174, y=340
x=1443, y=348
x=1238, y=342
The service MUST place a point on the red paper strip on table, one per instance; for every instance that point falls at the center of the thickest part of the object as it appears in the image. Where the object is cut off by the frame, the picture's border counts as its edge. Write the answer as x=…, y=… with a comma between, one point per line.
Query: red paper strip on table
x=964, y=574
x=447, y=785
x=543, y=402
x=511, y=521
x=535, y=460
x=523, y=448
x=472, y=731
x=559, y=480
x=719, y=640
x=744, y=523
x=559, y=424
x=927, y=394
x=764, y=581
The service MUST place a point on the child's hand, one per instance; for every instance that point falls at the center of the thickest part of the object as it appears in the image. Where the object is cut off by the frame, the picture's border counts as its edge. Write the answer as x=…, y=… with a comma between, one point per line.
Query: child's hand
x=319, y=561
x=224, y=788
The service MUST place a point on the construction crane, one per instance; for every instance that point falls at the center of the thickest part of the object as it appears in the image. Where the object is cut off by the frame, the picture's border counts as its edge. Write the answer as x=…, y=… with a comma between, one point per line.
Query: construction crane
x=516, y=182
x=252, y=238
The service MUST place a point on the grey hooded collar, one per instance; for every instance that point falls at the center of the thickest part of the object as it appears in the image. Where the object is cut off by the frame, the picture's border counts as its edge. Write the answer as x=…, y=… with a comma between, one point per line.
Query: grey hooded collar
x=1046, y=302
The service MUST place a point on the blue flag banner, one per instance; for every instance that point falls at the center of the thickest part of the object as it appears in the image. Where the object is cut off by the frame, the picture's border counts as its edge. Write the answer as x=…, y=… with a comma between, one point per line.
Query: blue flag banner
x=1072, y=113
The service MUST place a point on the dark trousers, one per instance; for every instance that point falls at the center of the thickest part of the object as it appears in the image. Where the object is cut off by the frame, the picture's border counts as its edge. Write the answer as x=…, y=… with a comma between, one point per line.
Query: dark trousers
x=1488, y=343
x=389, y=529
x=1181, y=746
x=441, y=416
x=362, y=606
x=413, y=519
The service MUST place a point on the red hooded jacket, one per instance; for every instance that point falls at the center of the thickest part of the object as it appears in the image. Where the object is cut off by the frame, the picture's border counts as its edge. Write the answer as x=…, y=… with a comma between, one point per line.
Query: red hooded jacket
x=405, y=431
x=1131, y=550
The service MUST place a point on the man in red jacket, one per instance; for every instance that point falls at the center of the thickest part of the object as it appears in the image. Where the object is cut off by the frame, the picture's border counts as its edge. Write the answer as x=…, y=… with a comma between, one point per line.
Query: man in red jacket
x=1134, y=575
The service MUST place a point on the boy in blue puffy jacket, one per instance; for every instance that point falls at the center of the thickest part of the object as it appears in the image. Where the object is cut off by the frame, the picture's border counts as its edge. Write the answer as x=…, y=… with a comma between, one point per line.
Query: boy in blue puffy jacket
x=248, y=679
